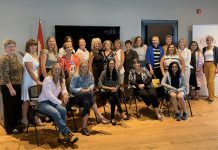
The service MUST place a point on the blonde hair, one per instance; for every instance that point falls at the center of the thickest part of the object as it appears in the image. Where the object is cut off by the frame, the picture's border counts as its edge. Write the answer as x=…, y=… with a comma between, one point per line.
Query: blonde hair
x=182, y=39
x=106, y=42
x=209, y=37
x=94, y=40
x=117, y=41
x=55, y=49
x=61, y=78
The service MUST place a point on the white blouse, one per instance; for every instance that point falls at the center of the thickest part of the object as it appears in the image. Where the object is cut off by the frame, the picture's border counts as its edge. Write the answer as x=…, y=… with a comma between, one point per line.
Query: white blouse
x=50, y=91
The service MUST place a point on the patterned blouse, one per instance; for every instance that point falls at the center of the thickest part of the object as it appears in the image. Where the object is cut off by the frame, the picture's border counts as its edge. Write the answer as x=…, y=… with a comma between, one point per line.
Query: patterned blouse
x=145, y=75
x=11, y=71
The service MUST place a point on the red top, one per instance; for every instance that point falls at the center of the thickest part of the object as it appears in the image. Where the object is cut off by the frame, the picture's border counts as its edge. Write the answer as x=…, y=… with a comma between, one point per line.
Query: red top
x=65, y=63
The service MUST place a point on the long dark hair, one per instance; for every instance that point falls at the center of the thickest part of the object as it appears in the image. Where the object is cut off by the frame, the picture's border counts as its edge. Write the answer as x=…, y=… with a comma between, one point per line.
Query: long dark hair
x=114, y=72
x=178, y=73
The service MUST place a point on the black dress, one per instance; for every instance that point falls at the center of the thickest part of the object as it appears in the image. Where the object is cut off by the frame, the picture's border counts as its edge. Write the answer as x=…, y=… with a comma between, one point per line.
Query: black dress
x=97, y=65
x=193, y=79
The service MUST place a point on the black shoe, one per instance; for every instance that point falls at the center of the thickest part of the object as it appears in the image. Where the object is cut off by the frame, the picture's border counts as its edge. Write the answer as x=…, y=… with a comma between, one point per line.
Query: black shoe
x=210, y=101
x=184, y=116
x=177, y=116
x=113, y=122
x=85, y=131
x=15, y=131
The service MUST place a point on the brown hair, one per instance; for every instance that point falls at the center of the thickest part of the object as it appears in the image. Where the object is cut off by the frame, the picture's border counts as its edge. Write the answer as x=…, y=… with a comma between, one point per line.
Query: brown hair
x=194, y=42
x=8, y=42
x=174, y=51
x=29, y=43
x=135, y=40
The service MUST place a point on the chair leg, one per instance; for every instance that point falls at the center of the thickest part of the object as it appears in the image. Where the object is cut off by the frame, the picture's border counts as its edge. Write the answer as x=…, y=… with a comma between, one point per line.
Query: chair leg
x=136, y=107
x=126, y=109
x=161, y=104
x=36, y=133
x=27, y=128
x=105, y=115
x=74, y=121
x=168, y=108
x=190, y=107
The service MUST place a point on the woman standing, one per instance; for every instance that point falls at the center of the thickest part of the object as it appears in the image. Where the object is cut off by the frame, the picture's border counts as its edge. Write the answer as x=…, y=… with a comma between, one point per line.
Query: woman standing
x=109, y=81
x=61, y=51
x=141, y=79
x=210, y=66
x=174, y=82
x=108, y=53
x=69, y=62
x=141, y=49
x=197, y=62
x=48, y=56
x=96, y=59
x=120, y=60
x=186, y=54
x=130, y=55
x=170, y=56
x=82, y=52
x=49, y=103
x=30, y=77
x=10, y=80
x=81, y=86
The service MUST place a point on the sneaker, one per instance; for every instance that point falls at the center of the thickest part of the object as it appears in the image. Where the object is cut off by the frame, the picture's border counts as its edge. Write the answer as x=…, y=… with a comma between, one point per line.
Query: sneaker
x=184, y=116
x=177, y=116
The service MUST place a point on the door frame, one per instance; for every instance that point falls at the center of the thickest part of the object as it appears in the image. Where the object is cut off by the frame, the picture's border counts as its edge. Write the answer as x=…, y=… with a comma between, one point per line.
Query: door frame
x=145, y=23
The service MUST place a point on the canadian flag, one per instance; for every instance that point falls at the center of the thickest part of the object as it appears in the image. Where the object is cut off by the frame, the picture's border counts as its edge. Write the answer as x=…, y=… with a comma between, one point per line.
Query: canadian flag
x=40, y=42
x=40, y=38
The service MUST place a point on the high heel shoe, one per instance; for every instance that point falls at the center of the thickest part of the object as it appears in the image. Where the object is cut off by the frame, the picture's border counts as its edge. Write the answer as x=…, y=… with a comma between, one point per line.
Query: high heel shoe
x=103, y=120
x=113, y=122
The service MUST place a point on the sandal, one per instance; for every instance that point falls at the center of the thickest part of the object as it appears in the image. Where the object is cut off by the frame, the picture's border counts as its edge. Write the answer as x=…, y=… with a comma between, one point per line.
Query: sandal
x=103, y=120
x=124, y=117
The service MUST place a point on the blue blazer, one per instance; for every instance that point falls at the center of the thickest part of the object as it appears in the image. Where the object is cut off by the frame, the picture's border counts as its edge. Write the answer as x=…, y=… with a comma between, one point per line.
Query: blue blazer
x=150, y=54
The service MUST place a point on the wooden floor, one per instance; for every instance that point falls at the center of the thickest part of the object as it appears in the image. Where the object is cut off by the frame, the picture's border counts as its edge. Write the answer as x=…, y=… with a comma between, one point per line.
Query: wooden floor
x=199, y=132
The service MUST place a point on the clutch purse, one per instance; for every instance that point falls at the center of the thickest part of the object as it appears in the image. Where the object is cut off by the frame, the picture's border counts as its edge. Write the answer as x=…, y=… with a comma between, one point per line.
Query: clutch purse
x=155, y=82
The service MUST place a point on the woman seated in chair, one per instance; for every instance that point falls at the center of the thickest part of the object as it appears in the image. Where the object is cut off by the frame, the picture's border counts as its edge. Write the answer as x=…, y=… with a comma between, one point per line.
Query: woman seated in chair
x=174, y=82
x=141, y=80
x=109, y=81
x=50, y=105
x=81, y=86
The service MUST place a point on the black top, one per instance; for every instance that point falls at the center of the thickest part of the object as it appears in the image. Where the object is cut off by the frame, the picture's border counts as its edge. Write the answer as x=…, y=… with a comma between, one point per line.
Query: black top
x=175, y=82
x=97, y=64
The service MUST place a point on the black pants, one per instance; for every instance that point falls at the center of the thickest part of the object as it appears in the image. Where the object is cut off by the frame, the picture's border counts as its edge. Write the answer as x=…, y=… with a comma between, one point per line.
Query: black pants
x=114, y=100
x=149, y=96
x=84, y=100
x=12, y=107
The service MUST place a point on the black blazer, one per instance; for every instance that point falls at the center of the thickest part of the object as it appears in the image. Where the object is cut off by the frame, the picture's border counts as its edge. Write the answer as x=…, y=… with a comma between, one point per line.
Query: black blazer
x=215, y=54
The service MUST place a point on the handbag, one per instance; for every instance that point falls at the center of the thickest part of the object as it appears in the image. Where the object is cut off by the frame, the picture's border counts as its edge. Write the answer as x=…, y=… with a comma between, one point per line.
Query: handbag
x=155, y=82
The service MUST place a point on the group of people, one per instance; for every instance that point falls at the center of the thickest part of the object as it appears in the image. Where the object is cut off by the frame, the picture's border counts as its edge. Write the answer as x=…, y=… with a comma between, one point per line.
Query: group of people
x=77, y=75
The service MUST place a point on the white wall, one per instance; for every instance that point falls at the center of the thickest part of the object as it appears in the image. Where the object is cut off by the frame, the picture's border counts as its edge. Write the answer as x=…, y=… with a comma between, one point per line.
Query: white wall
x=19, y=18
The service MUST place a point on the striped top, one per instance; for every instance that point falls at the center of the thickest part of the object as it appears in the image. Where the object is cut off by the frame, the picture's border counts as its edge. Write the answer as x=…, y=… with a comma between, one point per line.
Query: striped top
x=170, y=58
x=156, y=58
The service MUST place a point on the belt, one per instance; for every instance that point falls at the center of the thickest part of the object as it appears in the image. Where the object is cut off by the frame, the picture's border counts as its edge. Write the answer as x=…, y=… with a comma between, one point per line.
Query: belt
x=209, y=61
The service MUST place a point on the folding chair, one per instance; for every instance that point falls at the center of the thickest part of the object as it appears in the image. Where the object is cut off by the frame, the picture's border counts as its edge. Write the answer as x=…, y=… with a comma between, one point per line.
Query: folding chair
x=34, y=92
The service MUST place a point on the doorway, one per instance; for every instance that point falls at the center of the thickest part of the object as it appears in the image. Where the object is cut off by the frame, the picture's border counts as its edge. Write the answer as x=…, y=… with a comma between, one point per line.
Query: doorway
x=161, y=28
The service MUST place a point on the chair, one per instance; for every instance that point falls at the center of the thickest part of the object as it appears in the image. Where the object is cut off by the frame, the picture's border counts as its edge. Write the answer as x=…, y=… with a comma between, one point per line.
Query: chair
x=69, y=108
x=105, y=100
x=34, y=92
x=166, y=99
x=133, y=97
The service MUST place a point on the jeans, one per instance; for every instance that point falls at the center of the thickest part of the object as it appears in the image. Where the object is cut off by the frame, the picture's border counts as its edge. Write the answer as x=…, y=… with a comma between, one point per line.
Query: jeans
x=57, y=112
